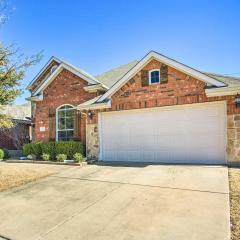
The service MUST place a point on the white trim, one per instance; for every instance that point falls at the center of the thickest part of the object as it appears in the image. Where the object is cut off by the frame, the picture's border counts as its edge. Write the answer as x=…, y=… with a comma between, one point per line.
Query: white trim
x=149, y=76
x=95, y=106
x=56, y=123
x=57, y=71
x=42, y=70
x=224, y=91
x=100, y=157
x=48, y=80
x=95, y=87
x=168, y=61
x=35, y=98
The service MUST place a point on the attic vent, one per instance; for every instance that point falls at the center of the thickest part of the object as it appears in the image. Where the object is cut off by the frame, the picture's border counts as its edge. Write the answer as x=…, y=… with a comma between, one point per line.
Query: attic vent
x=53, y=68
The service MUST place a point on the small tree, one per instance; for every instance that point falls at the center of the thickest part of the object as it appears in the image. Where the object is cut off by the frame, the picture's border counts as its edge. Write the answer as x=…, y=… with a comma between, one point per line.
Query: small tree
x=13, y=66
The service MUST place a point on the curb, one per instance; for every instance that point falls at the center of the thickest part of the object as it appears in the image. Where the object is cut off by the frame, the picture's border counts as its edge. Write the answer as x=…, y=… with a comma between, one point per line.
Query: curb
x=46, y=162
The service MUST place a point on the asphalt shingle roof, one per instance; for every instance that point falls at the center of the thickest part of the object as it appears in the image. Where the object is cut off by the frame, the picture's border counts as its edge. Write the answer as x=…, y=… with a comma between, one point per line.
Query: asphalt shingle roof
x=112, y=76
x=230, y=81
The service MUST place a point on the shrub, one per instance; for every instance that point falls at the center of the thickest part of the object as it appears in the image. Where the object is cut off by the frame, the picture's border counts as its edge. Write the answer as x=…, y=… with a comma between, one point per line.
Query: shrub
x=69, y=148
x=61, y=157
x=6, y=154
x=45, y=156
x=27, y=149
x=1, y=154
x=49, y=148
x=78, y=157
x=36, y=149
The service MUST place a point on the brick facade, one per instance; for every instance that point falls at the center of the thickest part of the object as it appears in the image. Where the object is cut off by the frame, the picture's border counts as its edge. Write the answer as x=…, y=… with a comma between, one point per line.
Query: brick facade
x=66, y=88
x=180, y=89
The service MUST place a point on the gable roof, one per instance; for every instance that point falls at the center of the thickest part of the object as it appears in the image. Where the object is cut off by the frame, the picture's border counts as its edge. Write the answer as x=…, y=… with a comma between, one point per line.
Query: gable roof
x=62, y=65
x=110, y=77
x=44, y=68
x=168, y=61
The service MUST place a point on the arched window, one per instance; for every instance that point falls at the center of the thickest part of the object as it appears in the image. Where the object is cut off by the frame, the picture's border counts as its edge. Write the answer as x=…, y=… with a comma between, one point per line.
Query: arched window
x=54, y=67
x=154, y=76
x=65, y=123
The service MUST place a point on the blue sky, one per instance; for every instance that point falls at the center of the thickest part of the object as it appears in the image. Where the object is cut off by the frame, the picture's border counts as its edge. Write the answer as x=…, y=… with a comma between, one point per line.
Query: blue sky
x=98, y=35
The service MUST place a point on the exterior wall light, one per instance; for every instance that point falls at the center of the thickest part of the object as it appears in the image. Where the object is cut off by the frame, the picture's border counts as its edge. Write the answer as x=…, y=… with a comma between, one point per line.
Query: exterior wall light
x=90, y=114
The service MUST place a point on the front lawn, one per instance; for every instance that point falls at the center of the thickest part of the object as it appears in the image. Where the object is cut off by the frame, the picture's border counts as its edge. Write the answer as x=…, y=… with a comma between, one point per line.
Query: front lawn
x=234, y=183
x=16, y=174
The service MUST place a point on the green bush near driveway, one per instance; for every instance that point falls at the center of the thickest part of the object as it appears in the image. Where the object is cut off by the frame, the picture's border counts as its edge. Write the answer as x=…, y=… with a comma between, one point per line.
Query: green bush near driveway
x=36, y=149
x=27, y=149
x=49, y=148
x=6, y=154
x=69, y=148
x=78, y=157
x=46, y=157
x=1, y=154
x=61, y=157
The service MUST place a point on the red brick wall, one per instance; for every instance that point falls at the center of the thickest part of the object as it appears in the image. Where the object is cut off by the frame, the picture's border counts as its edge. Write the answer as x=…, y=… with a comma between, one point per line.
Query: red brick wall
x=180, y=89
x=66, y=88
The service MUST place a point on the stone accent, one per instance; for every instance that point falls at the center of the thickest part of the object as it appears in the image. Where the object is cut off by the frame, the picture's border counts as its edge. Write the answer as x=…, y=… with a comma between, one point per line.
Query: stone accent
x=180, y=88
x=233, y=137
x=92, y=139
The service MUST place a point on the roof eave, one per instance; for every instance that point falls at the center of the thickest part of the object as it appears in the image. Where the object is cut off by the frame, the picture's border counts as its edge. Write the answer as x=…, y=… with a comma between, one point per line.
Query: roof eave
x=95, y=87
x=168, y=61
x=42, y=70
x=35, y=98
x=223, y=91
x=95, y=106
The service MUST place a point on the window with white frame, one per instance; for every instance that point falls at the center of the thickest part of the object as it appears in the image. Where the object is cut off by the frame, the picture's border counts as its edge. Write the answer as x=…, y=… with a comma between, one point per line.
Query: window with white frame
x=65, y=123
x=154, y=76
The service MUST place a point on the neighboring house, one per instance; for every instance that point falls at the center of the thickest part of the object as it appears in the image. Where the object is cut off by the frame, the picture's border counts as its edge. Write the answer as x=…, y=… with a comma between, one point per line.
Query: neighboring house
x=14, y=138
x=152, y=110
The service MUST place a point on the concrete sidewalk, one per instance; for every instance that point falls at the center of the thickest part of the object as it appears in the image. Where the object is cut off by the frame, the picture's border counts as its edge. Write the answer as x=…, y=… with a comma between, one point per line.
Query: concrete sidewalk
x=121, y=202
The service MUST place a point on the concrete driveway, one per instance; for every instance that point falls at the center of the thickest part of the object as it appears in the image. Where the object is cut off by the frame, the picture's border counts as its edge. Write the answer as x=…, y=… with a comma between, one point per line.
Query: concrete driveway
x=120, y=202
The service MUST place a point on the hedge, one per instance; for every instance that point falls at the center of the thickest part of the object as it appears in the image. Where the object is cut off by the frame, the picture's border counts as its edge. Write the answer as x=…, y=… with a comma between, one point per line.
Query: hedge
x=68, y=148
x=49, y=148
x=1, y=154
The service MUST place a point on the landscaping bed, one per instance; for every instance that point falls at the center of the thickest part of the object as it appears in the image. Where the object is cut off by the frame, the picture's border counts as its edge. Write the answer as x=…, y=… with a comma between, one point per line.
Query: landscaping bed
x=234, y=184
x=46, y=162
x=50, y=151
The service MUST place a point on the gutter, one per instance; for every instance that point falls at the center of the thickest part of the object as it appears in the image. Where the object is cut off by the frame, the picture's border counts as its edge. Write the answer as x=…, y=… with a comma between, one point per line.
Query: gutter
x=95, y=106
x=222, y=91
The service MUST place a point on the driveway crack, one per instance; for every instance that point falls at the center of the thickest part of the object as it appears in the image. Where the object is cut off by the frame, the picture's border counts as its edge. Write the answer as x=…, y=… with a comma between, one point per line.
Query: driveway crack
x=75, y=214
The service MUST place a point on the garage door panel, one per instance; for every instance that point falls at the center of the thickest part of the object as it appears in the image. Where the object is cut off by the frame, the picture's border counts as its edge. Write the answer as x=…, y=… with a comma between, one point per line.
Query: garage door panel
x=194, y=134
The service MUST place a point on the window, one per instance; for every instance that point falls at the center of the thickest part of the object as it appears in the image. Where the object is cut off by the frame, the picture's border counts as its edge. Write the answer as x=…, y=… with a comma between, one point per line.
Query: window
x=154, y=76
x=65, y=123
x=53, y=68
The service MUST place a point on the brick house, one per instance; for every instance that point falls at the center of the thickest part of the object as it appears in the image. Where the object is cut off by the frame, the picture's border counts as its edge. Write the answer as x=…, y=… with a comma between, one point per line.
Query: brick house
x=152, y=110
